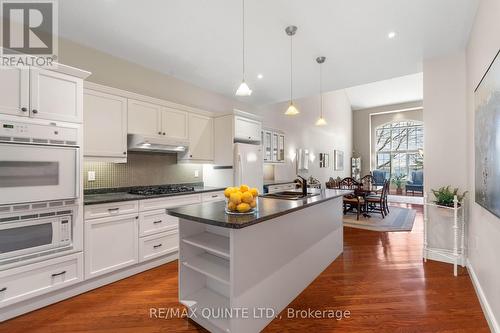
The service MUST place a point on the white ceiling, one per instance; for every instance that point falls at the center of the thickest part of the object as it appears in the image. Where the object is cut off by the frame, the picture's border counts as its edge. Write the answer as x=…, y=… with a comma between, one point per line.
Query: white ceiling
x=199, y=41
x=402, y=89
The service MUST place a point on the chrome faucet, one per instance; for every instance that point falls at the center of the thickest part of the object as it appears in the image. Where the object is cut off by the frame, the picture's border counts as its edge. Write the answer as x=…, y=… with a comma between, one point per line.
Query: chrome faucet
x=303, y=183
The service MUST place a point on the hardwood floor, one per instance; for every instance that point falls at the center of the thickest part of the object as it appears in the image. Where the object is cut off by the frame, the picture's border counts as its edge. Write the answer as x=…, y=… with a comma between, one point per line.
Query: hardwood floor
x=380, y=278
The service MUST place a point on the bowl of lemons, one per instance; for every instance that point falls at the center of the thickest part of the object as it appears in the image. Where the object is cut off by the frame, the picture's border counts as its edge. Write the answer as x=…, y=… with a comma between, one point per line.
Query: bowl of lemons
x=241, y=200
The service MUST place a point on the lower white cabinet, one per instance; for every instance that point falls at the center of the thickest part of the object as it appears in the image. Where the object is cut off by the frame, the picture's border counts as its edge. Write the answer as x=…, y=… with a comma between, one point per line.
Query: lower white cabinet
x=155, y=221
x=157, y=245
x=111, y=243
x=21, y=283
x=281, y=187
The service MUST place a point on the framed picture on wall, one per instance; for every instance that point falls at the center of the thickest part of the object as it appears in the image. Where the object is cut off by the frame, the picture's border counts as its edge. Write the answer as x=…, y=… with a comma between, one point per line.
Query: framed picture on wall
x=338, y=156
x=487, y=138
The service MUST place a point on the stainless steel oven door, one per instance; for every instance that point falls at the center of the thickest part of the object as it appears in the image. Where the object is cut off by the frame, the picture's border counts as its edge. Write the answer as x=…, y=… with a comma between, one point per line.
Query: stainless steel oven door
x=31, y=173
x=20, y=238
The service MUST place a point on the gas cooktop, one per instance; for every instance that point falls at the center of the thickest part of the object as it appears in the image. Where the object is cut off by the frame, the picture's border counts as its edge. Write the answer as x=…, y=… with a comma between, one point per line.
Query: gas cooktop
x=163, y=189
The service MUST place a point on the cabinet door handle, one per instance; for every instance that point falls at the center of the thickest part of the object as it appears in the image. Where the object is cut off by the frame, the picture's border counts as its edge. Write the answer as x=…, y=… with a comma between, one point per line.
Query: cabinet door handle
x=3, y=289
x=35, y=111
x=214, y=196
x=157, y=246
x=156, y=222
x=24, y=109
x=57, y=274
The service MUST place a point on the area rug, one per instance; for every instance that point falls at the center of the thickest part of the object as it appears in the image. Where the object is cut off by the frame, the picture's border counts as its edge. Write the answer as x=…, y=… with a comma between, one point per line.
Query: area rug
x=399, y=219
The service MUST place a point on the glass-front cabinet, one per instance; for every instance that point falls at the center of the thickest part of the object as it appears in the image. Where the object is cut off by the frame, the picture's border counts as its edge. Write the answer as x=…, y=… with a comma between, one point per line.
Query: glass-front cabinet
x=273, y=146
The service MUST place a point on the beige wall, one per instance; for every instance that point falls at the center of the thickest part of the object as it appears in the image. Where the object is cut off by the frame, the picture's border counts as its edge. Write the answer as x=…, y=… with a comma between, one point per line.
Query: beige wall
x=302, y=133
x=445, y=141
x=365, y=122
x=484, y=227
x=119, y=73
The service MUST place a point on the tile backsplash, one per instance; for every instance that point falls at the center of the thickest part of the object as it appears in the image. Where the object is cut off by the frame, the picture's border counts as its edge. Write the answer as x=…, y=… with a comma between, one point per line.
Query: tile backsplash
x=141, y=169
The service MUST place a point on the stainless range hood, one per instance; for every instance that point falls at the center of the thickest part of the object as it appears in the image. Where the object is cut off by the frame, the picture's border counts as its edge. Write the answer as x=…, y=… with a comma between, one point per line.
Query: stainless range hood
x=138, y=142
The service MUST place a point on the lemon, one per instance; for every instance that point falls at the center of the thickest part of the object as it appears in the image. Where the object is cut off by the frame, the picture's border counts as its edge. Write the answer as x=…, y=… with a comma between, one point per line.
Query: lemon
x=243, y=207
x=253, y=204
x=244, y=188
x=247, y=197
x=231, y=206
x=254, y=192
x=235, y=198
x=228, y=191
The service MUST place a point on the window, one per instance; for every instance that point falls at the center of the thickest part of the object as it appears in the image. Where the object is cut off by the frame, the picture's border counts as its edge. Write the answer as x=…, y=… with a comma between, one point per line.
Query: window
x=399, y=147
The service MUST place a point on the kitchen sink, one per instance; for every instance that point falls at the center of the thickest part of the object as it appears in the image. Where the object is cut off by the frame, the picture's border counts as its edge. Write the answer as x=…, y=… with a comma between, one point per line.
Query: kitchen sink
x=289, y=195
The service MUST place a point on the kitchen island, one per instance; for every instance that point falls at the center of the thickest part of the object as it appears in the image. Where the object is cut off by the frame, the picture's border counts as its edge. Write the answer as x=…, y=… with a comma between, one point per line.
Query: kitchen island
x=236, y=273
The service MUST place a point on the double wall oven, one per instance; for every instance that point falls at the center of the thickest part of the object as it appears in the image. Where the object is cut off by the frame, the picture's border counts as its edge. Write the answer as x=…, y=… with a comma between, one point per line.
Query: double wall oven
x=39, y=187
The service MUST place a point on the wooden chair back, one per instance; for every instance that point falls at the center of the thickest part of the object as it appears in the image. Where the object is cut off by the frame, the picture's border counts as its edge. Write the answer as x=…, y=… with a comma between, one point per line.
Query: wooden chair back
x=367, y=181
x=348, y=183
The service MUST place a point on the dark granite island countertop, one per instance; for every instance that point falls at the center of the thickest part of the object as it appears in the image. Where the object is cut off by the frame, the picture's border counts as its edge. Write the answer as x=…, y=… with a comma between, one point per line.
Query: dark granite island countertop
x=213, y=213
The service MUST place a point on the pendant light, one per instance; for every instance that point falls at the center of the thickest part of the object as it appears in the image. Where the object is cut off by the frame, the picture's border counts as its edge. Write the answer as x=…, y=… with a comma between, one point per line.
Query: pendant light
x=243, y=89
x=321, y=120
x=291, y=110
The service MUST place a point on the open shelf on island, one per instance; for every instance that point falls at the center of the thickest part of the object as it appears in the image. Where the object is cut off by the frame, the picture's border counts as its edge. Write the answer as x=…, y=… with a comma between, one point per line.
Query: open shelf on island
x=210, y=265
x=206, y=298
x=210, y=242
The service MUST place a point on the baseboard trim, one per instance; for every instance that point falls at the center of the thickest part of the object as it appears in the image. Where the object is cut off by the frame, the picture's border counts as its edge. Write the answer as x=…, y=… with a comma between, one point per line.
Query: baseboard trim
x=488, y=312
x=41, y=301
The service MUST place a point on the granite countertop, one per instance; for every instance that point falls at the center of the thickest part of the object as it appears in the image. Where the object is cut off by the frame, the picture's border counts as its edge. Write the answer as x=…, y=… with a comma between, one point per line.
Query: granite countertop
x=213, y=213
x=121, y=195
x=277, y=182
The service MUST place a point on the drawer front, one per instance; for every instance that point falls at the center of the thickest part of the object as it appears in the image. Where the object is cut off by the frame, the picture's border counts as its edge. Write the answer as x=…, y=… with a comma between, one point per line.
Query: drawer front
x=170, y=202
x=213, y=196
x=281, y=188
x=289, y=187
x=25, y=282
x=110, y=209
x=158, y=245
x=155, y=221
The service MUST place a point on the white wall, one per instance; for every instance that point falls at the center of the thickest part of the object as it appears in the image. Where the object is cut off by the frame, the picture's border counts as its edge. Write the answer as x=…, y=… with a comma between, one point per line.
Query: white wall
x=484, y=227
x=302, y=133
x=445, y=139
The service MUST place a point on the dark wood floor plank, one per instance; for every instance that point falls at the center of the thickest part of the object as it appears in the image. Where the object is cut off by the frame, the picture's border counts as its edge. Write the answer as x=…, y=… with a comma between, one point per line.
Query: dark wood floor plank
x=380, y=278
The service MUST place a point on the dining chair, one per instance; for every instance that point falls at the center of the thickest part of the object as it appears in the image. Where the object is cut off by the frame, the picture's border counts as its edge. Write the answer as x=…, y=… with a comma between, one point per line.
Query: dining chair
x=352, y=200
x=378, y=203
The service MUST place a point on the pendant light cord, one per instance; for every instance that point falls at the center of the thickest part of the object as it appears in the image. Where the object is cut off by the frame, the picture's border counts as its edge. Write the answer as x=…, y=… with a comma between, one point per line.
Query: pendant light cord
x=291, y=70
x=243, y=39
x=321, y=90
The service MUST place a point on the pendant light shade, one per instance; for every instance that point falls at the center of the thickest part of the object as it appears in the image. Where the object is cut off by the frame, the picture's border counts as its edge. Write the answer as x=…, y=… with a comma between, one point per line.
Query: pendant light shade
x=243, y=89
x=321, y=120
x=292, y=109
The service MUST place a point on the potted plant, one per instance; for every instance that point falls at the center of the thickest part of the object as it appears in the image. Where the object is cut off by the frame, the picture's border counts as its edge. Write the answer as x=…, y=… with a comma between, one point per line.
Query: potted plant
x=445, y=196
x=399, y=181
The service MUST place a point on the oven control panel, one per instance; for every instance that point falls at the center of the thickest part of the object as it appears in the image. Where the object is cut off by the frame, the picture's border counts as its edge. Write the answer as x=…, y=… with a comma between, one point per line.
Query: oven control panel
x=49, y=133
x=65, y=230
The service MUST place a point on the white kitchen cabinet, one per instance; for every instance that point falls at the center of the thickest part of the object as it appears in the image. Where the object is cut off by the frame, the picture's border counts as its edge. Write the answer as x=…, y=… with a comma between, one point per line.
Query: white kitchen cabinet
x=14, y=95
x=105, y=126
x=111, y=243
x=246, y=129
x=144, y=118
x=55, y=96
x=157, y=245
x=24, y=282
x=281, y=187
x=273, y=145
x=281, y=148
x=267, y=137
x=155, y=221
x=174, y=123
x=201, y=139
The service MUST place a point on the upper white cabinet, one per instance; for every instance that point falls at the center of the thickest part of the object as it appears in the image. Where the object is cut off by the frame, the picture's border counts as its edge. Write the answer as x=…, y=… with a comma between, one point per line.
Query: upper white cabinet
x=105, y=126
x=156, y=120
x=144, y=118
x=55, y=96
x=246, y=129
x=174, y=123
x=14, y=92
x=40, y=93
x=273, y=146
x=201, y=139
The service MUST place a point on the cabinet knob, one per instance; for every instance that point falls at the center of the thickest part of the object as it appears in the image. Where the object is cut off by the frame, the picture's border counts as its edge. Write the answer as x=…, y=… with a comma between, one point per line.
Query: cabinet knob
x=159, y=132
x=24, y=109
x=190, y=155
x=35, y=111
x=124, y=153
x=164, y=133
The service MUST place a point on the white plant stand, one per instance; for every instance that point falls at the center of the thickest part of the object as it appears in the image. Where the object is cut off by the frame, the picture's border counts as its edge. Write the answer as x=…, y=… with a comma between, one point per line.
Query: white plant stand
x=457, y=255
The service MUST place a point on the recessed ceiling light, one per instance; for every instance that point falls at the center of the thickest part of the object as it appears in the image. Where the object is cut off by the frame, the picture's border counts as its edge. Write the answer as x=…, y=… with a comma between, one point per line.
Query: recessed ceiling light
x=260, y=76
x=391, y=35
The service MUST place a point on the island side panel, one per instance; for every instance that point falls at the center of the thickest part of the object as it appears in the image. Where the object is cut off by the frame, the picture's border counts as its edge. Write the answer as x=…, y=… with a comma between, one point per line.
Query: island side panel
x=274, y=261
